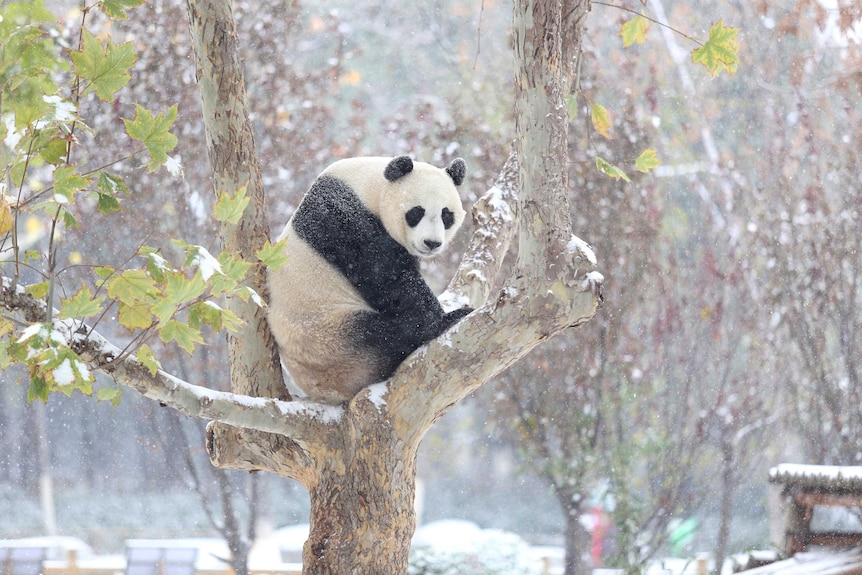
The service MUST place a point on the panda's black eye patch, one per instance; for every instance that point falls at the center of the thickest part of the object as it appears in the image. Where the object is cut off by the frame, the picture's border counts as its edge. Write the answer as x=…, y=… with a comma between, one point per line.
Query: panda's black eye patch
x=448, y=218
x=414, y=216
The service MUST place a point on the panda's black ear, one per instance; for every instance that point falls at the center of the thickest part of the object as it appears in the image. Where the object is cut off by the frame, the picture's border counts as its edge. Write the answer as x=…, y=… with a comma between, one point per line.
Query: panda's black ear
x=457, y=170
x=398, y=167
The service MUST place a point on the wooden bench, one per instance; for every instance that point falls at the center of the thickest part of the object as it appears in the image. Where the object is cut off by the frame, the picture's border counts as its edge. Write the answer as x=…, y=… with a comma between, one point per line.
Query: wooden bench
x=794, y=492
x=160, y=560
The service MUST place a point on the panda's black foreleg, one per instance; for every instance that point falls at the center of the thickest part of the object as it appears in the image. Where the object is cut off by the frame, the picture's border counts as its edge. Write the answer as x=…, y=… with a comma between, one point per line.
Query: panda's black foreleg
x=390, y=340
x=452, y=318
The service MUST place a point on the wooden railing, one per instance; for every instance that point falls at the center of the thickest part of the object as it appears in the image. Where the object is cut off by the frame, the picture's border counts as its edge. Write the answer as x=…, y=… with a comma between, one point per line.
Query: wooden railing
x=797, y=490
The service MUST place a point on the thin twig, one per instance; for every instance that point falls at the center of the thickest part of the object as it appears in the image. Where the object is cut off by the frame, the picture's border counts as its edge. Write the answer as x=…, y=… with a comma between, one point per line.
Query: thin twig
x=479, y=35
x=651, y=19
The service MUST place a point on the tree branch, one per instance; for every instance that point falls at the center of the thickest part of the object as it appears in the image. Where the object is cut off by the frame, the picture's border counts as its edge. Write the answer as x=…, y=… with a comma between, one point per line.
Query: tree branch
x=495, y=219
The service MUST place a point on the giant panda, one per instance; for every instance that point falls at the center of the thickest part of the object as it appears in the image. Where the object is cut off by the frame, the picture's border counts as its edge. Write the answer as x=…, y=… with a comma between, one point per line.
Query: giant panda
x=350, y=304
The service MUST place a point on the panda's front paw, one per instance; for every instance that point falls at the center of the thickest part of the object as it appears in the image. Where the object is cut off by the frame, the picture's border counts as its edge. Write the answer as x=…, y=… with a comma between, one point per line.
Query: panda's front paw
x=455, y=316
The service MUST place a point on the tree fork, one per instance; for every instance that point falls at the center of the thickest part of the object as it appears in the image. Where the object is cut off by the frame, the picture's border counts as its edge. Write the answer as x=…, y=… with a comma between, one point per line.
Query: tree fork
x=358, y=460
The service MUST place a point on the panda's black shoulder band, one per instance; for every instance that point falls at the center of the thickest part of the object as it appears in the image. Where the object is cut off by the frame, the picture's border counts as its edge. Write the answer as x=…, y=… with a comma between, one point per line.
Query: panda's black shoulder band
x=398, y=167
x=343, y=231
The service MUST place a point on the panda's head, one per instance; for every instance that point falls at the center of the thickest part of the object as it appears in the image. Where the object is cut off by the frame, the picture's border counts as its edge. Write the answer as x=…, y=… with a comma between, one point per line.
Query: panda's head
x=419, y=205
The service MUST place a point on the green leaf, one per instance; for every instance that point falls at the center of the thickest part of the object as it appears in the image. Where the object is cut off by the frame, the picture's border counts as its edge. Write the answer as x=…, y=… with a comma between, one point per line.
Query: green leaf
x=230, y=208
x=234, y=270
x=5, y=358
x=154, y=133
x=132, y=286
x=157, y=266
x=117, y=8
x=271, y=255
x=634, y=31
x=205, y=313
x=611, y=170
x=65, y=372
x=38, y=389
x=104, y=272
x=107, y=69
x=108, y=204
x=54, y=152
x=721, y=51
x=246, y=292
x=112, y=394
x=38, y=290
x=134, y=315
x=111, y=185
x=82, y=304
x=601, y=120
x=201, y=257
x=648, y=160
x=185, y=336
x=178, y=291
x=69, y=220
x=147, y=358
x=67, y=183
x=108, y=187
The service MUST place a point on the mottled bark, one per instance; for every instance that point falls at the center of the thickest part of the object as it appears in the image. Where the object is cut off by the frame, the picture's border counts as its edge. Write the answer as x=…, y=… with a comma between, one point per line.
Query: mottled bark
x=255, y=368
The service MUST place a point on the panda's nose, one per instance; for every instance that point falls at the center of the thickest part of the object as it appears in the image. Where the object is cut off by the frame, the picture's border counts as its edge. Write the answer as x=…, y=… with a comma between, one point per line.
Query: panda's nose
x=432, y=245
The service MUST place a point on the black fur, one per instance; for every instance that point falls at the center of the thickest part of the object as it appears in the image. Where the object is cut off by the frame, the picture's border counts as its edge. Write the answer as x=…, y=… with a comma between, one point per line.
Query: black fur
x=398, y=167
x=338, y=226
x=457, y=170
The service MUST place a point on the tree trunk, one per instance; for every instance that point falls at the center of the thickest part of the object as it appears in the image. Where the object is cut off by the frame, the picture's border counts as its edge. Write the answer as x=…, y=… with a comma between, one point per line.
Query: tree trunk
x=574, y=539
x=358, y=461
x=362, y=514
x=725, y=513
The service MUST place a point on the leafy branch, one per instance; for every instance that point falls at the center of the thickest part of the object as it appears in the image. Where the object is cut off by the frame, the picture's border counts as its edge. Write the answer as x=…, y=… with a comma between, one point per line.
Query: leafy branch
x=719, y=52
x=158, y=298
x=650, y=19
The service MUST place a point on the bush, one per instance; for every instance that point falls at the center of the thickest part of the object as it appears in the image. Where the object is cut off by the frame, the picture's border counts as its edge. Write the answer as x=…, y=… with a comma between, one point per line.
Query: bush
x=487, y=552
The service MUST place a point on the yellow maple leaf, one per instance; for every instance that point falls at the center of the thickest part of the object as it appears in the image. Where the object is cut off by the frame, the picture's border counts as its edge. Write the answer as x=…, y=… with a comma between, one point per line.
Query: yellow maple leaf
x=6, y=219
x=634, y=31
x=721, y=51
x=601, y=120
